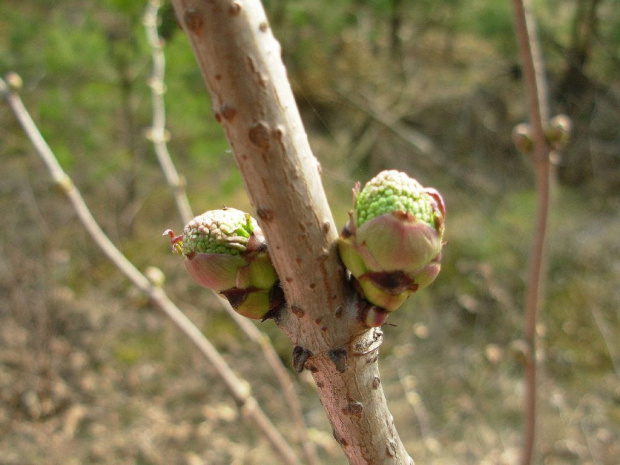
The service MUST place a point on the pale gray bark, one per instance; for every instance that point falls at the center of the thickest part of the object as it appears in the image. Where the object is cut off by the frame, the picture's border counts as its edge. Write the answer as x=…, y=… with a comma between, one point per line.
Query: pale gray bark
x=252, y=99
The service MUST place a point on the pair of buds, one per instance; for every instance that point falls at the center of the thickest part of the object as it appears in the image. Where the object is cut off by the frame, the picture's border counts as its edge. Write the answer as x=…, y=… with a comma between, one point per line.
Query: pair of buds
x=391, y=245
x=557, y=134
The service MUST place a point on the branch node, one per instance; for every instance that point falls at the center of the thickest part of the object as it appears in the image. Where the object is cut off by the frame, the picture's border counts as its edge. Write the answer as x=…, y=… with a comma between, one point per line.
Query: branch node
x=391, y=448
x=64, y=184
x=194, y=21
x=259, y=135
x=365, y=345
x=300, y=356
x=339, y=439
x=355, y=408
x=14, y=81
x=339, y=358
x=298, y=311
x=235, y=8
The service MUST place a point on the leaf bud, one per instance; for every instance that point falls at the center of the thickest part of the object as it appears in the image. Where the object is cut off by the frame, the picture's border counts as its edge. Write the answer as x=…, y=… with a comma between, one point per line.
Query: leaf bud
x=392, y=242
x=225, y=250
x=558, y=131
x=522, y=138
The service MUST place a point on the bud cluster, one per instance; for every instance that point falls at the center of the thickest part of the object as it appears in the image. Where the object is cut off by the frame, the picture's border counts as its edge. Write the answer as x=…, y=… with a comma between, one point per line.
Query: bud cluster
x=225, y=250
x=392, y=242
x=557, y=134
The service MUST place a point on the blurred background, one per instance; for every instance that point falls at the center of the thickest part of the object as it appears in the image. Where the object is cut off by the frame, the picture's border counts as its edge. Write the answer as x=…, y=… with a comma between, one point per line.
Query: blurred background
x=90, y=372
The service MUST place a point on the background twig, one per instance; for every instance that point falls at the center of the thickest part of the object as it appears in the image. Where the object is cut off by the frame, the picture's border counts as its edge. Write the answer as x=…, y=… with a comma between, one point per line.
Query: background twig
x=157, y=133
x=533, y=75
x=239, y=389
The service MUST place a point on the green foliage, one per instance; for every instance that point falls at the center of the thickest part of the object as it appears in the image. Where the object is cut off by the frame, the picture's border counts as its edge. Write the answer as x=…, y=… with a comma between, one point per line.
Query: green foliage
x=133, y=348
x=65, y=46
x=87, y=69
x=129, y=8
x=491, y=20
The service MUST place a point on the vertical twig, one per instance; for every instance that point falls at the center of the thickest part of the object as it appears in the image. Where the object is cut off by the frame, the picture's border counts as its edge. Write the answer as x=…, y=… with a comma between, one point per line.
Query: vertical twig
x=238, y=388
x=533, y=74
x=159, y=136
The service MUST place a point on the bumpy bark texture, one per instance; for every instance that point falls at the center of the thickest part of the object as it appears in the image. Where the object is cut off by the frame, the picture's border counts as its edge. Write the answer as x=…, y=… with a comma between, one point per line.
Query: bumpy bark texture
x=252, y=99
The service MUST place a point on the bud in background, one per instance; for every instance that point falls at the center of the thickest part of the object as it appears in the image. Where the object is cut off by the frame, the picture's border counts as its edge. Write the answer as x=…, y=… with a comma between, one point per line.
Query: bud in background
x=392, y=242
x=558, y=131
x=225, y=250
x=522, y=138
x=557, y=134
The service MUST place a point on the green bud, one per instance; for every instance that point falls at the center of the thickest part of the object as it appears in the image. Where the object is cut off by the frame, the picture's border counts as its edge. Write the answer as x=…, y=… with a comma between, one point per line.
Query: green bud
x=226, y=231
x=14, y=81
x=392, y=242
x=522, y=138
x=225, y=250
x=558, y=131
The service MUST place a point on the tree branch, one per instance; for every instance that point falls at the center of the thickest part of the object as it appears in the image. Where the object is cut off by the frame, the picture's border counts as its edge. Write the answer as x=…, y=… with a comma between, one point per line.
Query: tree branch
x=252, y=99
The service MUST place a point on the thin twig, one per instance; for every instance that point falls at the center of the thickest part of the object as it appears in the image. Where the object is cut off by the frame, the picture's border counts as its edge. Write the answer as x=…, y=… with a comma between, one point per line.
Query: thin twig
x=533, y=75
x=159, y=136
x=238, y=388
